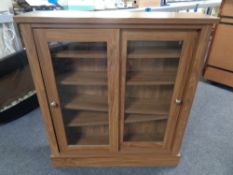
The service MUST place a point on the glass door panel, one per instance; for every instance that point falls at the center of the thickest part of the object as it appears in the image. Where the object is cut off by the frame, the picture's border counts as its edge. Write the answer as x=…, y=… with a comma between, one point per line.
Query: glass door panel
x=151, y=69
x=81, y=89
x=154, y=69
x=80, y=70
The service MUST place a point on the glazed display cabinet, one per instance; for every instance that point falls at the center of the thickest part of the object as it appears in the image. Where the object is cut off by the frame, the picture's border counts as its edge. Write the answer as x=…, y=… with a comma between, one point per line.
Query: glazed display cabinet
x=115, y=89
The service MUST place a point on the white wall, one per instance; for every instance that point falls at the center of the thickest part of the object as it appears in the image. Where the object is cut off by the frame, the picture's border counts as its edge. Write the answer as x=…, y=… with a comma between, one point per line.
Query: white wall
x=5, y=5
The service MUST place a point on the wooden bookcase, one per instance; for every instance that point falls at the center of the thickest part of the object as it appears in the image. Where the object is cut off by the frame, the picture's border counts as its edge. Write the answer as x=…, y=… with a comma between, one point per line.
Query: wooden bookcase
x=115, y=91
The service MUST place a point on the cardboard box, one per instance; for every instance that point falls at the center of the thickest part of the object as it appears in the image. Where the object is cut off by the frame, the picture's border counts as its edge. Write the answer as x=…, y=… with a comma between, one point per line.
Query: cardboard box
x=148, y=3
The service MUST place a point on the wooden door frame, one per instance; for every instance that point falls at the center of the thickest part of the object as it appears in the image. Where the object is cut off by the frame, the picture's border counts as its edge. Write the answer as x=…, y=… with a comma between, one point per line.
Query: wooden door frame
x=189, y=40
x=111, y=37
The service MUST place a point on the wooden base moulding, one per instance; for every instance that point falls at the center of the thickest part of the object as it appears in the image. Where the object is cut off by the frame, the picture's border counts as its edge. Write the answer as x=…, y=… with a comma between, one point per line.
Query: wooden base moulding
x=119, y=161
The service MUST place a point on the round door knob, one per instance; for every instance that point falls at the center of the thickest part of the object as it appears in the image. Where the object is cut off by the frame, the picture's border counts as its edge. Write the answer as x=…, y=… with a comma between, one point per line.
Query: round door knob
x=178, y=101
x=53, y=104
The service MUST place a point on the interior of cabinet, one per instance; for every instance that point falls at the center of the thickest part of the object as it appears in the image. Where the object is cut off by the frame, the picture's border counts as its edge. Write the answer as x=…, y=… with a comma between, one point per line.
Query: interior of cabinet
x=82, y=82
x=81, y=79
x=151, y=68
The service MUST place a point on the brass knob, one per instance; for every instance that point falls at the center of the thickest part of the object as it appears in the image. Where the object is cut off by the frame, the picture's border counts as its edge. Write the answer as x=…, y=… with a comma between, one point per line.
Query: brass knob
x=53, y=104
x=178, y=101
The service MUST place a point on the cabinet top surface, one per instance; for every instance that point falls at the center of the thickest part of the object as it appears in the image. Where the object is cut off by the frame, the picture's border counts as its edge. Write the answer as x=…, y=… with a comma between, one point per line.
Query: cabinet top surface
x=114, y=17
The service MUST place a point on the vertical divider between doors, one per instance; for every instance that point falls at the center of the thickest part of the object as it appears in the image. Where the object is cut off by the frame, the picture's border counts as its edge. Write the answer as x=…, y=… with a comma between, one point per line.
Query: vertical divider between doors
x=113, y=85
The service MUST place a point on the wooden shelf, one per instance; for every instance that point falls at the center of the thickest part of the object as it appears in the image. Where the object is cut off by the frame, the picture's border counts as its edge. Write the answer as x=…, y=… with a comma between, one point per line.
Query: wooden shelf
x=133, y=105
x=147, y=106
x=134, y=118
x=151, y=78
x=152, y=53
x=93, y=140
x=83, y=78
x=87, y=118
x=87, y=102
x=145, y=137
x=90, y=140
x=133, y=78
x=95, y=54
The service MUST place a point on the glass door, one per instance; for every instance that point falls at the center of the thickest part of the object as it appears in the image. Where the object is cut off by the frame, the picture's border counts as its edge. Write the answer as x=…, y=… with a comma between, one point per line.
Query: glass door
x=76, y=66
x=154, y=69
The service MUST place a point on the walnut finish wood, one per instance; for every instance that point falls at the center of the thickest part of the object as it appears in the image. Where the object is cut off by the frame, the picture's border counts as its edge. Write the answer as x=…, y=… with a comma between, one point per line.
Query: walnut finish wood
x=83, y=78
x=148, y=106
x=118, y=161
x=87, y=118
x=134, y=118
x=113, y=18
x=94, y=54
x=221, y=57
x=227, y=8
x=93, y=140
x=28, y=40
x=151, y=78
x=193, y=78
x=115, y=104
x=45, y=36
x=219, y=76
x=145, y=106
x=226, y=21
x=220, y=60
x=86, y=102
x=147, y=53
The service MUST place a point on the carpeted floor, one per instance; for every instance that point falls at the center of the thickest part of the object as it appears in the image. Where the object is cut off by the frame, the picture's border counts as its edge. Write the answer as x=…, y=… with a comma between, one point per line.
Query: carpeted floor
x=207, y=147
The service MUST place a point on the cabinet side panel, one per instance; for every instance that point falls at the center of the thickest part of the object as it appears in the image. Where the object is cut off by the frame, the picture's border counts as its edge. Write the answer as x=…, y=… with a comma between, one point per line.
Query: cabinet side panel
x=194, y=75
x=28, y=40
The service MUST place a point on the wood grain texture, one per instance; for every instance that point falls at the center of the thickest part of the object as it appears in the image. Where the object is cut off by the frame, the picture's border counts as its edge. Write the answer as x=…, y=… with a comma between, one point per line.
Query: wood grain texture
x=113, y=69
x=146, y=106
x=94, y=54
x=220, y=60
x=151, y=78
x=117, y=26
x=188, y=48
x=83, y=78
x=50, y=84
x=89, y=118
x=219, y=76
x=134, y=118
x=226, y=21
x=150, y=53
x=190, y=88
x=43, y=37
x=120, y=161
x=219, y=56
x=65, y=17
x=116, y=106
x=227, y=8
x=162, y=105
x=87, y=102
